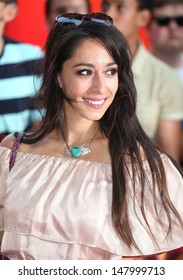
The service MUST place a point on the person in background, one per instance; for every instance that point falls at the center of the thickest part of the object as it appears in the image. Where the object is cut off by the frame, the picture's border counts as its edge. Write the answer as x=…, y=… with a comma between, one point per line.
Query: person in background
x=20, y=70
x=166, y=33
x=87, y=184
x=160, y=98
x=54, y=8
x=166, y=36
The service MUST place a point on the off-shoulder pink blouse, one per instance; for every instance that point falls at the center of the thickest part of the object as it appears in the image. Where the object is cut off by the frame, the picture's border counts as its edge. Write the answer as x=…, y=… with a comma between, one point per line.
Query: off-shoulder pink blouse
x=60, y=208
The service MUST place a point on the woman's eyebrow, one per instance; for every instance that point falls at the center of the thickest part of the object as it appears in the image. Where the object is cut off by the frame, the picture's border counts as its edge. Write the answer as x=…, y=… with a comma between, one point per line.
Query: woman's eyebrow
x=91, y=65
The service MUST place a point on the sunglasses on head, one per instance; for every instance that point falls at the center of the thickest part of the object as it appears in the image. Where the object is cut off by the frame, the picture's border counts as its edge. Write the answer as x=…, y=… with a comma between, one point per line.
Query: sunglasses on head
x=78, y=19
x=164, y=21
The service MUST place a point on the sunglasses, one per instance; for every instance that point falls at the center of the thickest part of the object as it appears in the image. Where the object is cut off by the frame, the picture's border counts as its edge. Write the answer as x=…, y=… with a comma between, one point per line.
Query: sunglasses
x=164, y=21
x=78, y=19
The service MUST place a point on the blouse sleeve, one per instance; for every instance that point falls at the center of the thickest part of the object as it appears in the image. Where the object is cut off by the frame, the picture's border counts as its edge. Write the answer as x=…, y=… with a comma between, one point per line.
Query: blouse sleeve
x=4, y=171
x=175, y=186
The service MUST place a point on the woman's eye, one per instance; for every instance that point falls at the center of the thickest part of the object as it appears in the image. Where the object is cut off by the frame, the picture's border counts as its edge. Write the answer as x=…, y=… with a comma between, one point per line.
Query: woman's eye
x=120, y=8
x=112, y=71
x=85, y=72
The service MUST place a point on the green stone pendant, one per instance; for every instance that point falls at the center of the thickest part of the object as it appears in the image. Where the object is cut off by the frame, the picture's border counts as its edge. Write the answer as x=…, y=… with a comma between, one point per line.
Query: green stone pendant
x=76, y=151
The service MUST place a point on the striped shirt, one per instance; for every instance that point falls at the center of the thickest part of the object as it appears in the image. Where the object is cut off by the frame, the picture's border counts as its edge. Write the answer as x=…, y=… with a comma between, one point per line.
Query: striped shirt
x=20, y=76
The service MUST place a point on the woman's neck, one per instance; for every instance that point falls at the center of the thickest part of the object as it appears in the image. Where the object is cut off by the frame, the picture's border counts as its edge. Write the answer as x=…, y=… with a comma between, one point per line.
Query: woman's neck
x=77, y=133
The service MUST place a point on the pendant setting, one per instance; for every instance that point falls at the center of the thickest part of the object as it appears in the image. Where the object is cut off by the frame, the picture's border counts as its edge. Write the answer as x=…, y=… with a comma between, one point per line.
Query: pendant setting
x=77, y=151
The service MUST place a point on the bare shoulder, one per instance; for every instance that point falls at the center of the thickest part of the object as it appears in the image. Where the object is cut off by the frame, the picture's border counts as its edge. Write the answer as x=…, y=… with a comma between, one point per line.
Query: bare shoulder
x=8, y=141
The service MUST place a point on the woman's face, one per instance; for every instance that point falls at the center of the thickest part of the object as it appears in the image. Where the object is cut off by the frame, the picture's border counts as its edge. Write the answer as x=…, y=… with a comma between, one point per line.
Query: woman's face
x=90, y=79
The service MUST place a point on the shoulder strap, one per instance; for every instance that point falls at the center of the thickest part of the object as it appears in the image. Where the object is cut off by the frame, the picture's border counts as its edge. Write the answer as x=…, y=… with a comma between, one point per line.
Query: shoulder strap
x=14, y=150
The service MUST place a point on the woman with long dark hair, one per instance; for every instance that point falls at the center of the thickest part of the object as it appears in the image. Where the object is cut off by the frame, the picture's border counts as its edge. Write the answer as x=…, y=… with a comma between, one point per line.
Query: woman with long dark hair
x=87, y=183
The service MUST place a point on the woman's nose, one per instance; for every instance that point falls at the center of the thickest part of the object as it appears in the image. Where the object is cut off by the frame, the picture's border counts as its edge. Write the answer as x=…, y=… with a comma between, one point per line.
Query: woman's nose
x=98, y=83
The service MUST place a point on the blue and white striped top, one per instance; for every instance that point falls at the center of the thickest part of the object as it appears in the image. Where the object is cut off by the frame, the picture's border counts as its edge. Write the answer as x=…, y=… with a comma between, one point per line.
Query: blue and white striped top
x=20, y=76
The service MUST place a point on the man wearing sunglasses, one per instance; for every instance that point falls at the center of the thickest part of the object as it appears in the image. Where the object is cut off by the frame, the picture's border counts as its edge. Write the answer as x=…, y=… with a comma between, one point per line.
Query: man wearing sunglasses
x=54, y=8
x=19, y=75
x=160, y=98
x=166, y=36
x=166, y=32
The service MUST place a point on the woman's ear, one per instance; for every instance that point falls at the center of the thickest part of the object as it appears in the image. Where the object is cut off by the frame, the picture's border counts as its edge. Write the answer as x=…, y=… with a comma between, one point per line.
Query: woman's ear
x=10, y=12
x=59, y=80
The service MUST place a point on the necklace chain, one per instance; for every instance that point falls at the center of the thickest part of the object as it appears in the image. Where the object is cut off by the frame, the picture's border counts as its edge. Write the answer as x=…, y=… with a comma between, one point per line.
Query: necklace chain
x=78, y=151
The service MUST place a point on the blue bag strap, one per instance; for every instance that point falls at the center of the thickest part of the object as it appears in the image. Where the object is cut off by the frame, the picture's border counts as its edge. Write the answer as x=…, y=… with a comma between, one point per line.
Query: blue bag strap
x=14, y=150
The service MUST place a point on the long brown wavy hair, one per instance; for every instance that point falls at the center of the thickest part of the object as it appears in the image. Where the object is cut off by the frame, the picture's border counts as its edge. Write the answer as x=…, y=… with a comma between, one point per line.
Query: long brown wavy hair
x=119, y=123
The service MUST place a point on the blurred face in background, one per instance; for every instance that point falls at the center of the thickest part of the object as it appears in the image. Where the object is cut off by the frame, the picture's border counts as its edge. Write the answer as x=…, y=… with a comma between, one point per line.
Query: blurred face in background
x=2, y=7
x=166, y=28
x=58, y=7
x=8, y=11
x=126, y=16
